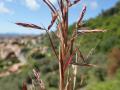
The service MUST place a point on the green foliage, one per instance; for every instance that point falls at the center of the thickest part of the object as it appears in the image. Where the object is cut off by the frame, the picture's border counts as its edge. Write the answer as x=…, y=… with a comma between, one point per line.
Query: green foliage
x=14, y=81
x=113, y=84
x=108, y=85
x=38, y=55
x=108, y=20
x=53, y=80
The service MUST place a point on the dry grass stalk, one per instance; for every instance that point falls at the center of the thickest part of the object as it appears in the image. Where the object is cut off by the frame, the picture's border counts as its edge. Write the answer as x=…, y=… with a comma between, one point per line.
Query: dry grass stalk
x=41, y=85
x=90, y=31
x=86, y=65
x=75, y=72
x=67, y=49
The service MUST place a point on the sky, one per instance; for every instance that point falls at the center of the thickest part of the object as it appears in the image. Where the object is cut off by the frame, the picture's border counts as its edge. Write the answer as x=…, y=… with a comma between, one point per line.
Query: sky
x=37, y=12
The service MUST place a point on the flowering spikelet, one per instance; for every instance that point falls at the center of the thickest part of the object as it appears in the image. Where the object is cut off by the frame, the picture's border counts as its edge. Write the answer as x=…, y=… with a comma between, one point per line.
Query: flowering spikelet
x=29, y=25
x=81, y=16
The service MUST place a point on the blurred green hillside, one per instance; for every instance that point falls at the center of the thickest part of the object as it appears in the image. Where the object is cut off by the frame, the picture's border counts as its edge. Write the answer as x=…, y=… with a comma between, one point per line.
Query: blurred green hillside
x=106, y=55
x=107, y=20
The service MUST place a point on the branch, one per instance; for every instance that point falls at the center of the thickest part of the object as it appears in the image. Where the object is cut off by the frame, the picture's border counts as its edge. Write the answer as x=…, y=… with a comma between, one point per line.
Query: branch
x=90, y=31
x=54, y=17
x=53, y=47
x=69, y=60
x=81, y=55
x=87, y=65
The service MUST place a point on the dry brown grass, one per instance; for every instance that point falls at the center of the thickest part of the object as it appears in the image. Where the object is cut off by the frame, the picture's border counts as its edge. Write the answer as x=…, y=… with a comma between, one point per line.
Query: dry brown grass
x=67, y=47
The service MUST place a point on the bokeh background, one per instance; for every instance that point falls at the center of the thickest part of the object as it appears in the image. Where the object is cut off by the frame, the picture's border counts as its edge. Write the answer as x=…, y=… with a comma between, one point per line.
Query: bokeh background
x=20, y=45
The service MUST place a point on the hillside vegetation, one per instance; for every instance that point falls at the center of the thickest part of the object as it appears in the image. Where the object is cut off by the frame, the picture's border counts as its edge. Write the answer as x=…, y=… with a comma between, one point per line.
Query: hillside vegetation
x=108, y=20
